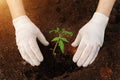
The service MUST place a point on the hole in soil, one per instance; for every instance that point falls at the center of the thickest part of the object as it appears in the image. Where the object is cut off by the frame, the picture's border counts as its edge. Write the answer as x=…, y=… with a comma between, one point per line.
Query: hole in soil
x=51, y=66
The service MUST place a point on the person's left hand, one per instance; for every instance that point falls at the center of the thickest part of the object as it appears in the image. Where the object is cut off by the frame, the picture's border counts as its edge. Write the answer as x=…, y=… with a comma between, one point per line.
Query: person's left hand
x=90, y=38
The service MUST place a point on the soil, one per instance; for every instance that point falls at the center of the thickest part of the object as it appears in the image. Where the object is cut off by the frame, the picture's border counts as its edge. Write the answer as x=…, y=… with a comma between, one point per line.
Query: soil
x=71, y=14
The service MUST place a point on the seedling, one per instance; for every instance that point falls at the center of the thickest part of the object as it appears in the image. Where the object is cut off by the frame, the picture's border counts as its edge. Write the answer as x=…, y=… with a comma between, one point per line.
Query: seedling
x=60, y=39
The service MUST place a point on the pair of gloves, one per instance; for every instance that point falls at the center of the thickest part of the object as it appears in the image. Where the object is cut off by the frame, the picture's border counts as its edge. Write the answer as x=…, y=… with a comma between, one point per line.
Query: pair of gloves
x=89, y=40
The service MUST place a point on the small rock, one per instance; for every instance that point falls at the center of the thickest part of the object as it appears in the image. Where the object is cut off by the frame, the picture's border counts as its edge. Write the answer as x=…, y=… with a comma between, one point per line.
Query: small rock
x=106, y=72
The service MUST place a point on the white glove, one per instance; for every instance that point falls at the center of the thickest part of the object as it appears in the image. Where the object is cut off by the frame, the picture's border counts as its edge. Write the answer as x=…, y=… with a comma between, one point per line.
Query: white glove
x=26, y=34
x=90, y=38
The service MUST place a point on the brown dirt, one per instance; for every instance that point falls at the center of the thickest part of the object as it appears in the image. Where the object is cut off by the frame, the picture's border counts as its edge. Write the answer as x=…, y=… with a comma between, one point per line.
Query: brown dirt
x=71, y=14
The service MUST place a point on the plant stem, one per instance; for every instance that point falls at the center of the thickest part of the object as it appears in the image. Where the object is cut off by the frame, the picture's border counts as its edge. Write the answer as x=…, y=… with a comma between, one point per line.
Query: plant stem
x=56, y=44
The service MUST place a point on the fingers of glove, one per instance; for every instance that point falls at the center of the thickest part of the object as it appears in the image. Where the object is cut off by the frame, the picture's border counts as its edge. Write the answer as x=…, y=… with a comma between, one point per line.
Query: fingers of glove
x=24, y=55
x=77, y=40
x=31, y=54
x=79, y=51
x=35, y=48
x=95, y=55
x=84, y=55
x=42, y=39
x=92, y=54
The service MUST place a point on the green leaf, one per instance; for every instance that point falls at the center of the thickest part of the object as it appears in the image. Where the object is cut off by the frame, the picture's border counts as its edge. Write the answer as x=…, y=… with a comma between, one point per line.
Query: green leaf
x=64, y=39
x=55, y=39
x=56, y=30
x=61, y=45
x=69, y=33
x=63, y=29
x=66, y=32
x=51, y=31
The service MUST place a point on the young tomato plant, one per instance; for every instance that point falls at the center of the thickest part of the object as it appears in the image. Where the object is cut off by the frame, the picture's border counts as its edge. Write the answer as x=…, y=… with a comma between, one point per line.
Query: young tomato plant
x=60, y=39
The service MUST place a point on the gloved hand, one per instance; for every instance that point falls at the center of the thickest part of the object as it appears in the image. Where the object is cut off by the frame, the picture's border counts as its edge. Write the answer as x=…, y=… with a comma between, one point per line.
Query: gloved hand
x=90, y=38
x=26, y=34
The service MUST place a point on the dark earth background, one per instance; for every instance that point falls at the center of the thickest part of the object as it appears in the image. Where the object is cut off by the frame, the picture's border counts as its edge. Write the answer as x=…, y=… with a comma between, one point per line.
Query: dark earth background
x=71, y=14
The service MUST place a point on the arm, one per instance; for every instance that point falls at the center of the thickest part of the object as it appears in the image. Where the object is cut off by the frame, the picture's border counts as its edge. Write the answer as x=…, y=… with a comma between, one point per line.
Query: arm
x=26, y=33
x=16, y=8
x=105, y=7
x=91, y=36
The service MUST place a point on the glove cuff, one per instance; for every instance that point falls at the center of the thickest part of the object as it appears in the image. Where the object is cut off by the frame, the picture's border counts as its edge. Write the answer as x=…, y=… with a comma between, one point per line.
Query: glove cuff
x=100, y=18
x=20, y=21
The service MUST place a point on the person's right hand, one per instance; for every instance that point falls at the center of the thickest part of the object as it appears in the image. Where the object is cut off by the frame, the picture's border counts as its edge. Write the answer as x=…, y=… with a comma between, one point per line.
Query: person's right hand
x=26, y=35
